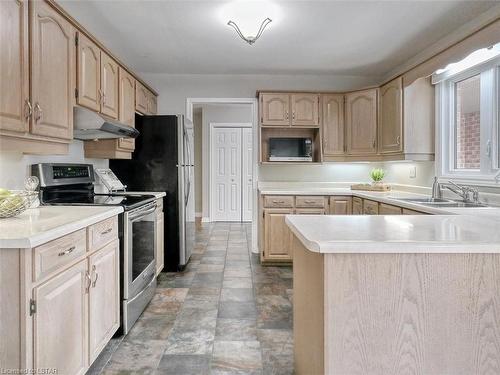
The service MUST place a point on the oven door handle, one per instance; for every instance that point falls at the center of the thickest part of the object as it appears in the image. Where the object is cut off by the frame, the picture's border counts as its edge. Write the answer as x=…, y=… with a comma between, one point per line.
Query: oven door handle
x=143, y=213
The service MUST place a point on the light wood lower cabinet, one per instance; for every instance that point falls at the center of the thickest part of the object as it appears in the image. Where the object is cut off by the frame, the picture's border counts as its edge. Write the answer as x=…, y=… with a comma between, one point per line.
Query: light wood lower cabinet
x=60, y=324
x=340, y=205
x=310, y=211
x=357, y=206
x=370, y=207
x=63, y=317
x=104, y=297
x=277, y=235
x=387, y=209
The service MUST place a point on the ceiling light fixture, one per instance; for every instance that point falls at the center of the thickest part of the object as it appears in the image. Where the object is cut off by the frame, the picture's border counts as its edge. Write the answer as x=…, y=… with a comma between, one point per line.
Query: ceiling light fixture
x=250, y=39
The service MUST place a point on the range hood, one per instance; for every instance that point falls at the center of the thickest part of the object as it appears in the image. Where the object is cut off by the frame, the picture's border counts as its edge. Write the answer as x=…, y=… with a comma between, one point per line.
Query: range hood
x=89, y=125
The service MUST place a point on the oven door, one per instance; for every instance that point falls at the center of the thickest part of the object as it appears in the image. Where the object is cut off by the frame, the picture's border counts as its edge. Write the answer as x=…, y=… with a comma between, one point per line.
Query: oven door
x=139, y=250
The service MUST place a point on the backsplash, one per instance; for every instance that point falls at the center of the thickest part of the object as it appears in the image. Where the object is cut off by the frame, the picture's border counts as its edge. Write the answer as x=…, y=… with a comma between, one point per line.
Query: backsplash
x=15, y=167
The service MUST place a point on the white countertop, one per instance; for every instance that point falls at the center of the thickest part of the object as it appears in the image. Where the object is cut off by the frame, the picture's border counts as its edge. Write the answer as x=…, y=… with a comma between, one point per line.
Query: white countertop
x=37, y=226
x=397, y=233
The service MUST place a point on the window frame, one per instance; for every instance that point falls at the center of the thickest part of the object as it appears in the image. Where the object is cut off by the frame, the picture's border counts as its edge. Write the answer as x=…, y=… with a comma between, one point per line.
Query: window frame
x=489, y=172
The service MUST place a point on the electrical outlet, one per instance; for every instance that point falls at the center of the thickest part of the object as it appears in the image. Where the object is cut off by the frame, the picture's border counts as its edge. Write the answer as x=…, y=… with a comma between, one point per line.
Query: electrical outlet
x=413, y=172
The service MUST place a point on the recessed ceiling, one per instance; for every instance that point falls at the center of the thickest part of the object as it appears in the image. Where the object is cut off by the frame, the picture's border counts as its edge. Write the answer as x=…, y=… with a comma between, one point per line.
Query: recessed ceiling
x=367, y=38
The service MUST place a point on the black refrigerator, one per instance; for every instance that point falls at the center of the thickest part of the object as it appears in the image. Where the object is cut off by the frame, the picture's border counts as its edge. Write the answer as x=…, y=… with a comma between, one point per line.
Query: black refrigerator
x=163, y=161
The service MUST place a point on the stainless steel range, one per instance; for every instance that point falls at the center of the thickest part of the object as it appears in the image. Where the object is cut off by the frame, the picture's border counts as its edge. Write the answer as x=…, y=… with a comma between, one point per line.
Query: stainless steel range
x=73, y=184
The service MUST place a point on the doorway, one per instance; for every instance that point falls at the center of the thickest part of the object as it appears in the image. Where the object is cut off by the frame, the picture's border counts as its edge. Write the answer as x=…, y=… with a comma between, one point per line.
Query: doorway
x=231, y=172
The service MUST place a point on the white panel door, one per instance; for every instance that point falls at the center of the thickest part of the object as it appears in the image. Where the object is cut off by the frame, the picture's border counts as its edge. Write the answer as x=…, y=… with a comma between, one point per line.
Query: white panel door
x=247, y=174
x=226, y=158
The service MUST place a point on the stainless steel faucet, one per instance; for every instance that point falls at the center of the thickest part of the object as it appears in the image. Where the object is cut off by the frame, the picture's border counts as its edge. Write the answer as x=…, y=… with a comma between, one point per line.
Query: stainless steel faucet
x=467, y=193
x=464, y=192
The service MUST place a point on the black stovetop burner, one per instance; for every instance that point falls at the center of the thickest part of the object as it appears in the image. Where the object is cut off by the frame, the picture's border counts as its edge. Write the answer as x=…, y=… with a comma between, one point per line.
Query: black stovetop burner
x=128, y=201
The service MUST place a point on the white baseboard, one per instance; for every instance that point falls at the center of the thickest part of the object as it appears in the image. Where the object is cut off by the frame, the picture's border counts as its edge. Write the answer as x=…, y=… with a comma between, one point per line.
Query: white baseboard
x=205, y=220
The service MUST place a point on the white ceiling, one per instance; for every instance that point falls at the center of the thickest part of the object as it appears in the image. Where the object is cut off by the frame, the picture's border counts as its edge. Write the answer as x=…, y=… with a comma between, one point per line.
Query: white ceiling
x=368, y=38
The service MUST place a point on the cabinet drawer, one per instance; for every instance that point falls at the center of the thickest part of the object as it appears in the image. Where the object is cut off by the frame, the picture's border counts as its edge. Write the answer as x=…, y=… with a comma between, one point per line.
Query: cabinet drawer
x=278, y=201
x=54, y=255
x=102, y=232
x=305, y=201
x=370, y=207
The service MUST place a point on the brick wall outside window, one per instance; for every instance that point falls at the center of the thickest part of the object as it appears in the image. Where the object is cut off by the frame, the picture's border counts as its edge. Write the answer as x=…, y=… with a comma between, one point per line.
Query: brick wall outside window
x=468, y=141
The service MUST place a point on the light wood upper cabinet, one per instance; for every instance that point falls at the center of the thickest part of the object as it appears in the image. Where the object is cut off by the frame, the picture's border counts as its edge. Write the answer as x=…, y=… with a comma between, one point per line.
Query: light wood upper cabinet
x=340, y=205
x=88, y=73
x=109, y=86
x=126, y=107
x=152, y=104
x=305, y=109
x=141, y=98
x=333, y=124
x=104, y=297
x=60, y=325
x=361, y=122
x=275, y=109
x=14, y=66
x=277, y=235
x=52, y=72
x=391, y=117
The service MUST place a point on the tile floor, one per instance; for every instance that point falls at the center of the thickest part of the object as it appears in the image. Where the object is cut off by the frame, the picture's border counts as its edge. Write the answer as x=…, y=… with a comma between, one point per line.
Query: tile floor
x=225, y=314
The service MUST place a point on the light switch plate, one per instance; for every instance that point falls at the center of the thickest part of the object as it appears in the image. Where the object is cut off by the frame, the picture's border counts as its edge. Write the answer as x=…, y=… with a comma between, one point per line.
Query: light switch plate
x=413, y=172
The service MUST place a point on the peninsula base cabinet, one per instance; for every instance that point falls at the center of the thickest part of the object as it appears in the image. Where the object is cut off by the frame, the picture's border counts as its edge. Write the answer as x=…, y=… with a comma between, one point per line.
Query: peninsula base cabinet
x=377, y=314
x=59, y=302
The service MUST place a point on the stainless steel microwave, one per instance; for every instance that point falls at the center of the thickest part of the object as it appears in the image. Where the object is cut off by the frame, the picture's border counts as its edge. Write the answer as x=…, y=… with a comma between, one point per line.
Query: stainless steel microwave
x=290, y=149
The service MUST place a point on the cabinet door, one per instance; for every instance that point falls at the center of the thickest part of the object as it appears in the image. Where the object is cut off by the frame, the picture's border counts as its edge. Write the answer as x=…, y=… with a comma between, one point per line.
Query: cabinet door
x=126, y=108
x=275, y=109
x=109, y=86
x=14, y=66
x=152, y=103
x=159, y=245
x=88, y=68
x=60, y=323
x=333, y=125
x=357, y=206
x=391, y=117
x=361, y=122
x=387, y=209
x=141, y=98
x=104, y=297
x=370, y=207
x=52, y=72
x=277, y=235
x=340, y=205
x=305, y=109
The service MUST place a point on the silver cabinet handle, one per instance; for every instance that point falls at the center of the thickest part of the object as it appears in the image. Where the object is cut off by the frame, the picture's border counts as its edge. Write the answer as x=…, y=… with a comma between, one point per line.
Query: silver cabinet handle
x=29, y=108
x=306, y=201
x=278, y=201
x=398, y=140
x=67, y=251
x=38, y=112
x=89, y=281
x=106, y=231
x=96, y=276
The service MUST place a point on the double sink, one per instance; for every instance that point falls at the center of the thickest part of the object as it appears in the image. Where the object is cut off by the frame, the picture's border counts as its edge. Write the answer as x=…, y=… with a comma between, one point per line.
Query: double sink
x=439, y=202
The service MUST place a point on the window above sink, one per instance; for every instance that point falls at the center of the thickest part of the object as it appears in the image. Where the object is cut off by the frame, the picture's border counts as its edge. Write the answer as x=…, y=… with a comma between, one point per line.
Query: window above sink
x=468, y=125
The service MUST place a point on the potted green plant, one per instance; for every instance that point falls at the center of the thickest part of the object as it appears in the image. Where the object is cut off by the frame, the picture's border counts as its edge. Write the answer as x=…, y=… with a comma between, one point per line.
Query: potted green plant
x=377, y=175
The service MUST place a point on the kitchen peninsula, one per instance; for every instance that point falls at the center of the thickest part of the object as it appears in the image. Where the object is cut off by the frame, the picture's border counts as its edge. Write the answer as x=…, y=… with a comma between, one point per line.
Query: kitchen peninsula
x=396, y=294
